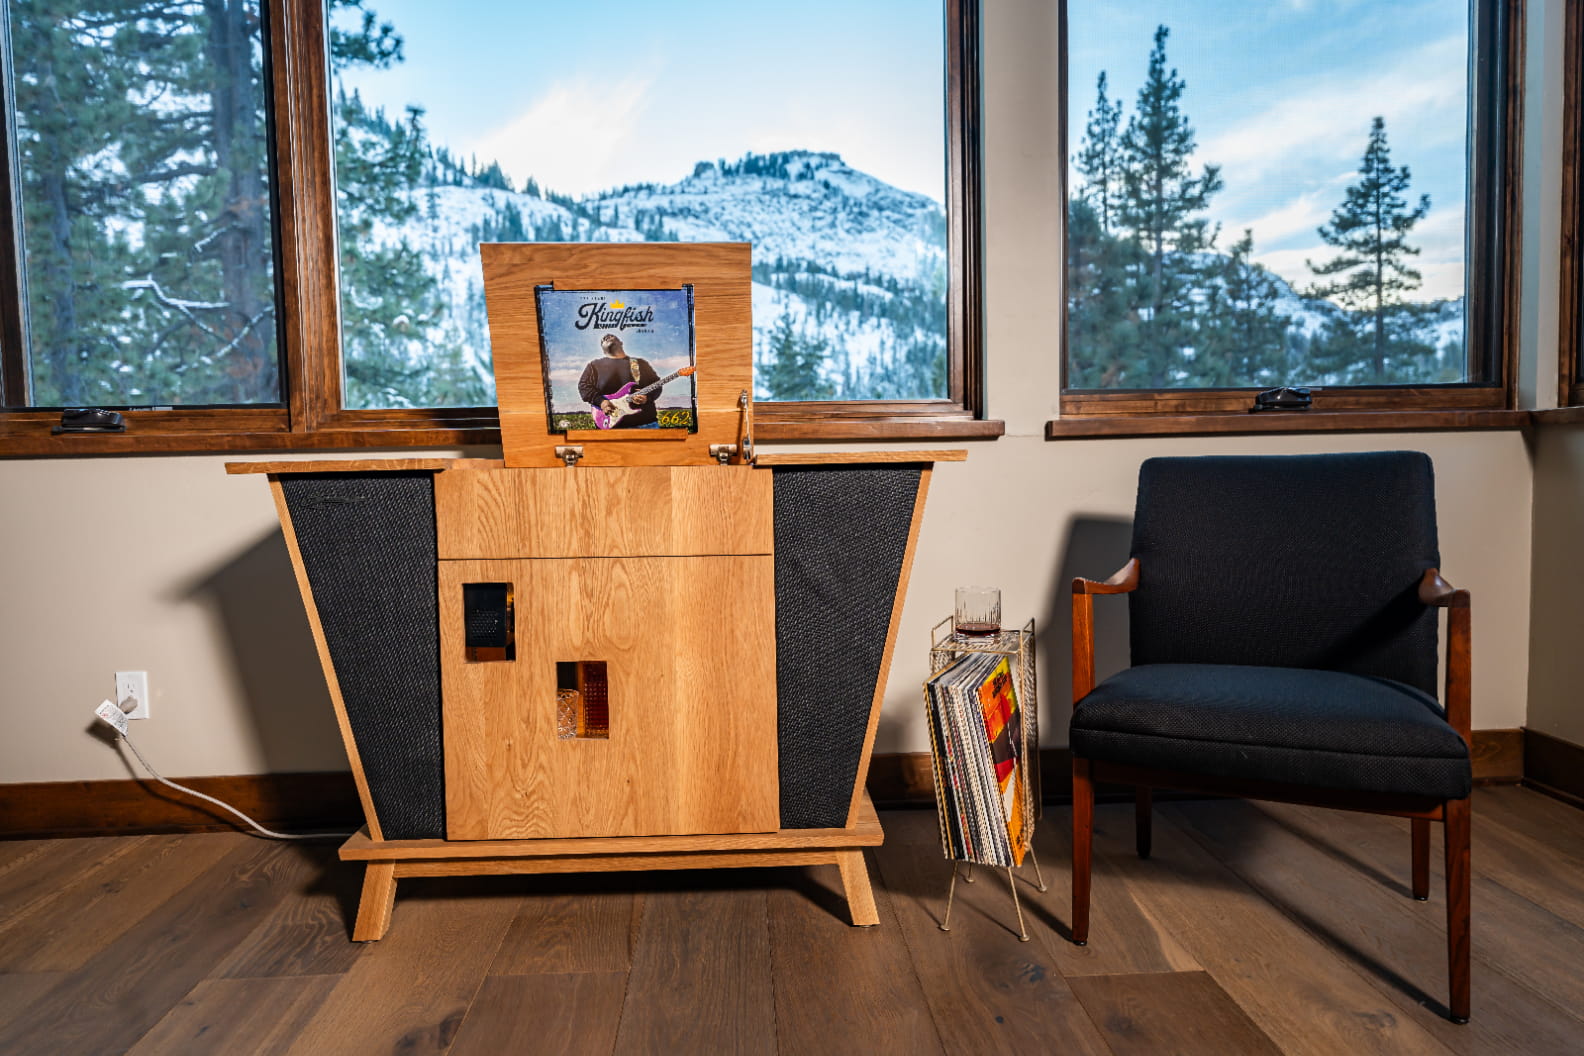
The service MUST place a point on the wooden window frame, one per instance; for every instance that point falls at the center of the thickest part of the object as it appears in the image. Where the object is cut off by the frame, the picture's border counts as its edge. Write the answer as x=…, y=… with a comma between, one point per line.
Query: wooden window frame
x=1492, y=296
x=312, y=416
x=1570, y=277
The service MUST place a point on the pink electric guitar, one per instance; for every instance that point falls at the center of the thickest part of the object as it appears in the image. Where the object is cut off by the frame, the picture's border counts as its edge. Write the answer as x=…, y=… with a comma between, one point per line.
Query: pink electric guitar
x=621, y=399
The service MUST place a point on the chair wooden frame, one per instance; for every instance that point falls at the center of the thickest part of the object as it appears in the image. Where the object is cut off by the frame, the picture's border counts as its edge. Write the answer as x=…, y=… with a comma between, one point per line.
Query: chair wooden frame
x=1453, y=813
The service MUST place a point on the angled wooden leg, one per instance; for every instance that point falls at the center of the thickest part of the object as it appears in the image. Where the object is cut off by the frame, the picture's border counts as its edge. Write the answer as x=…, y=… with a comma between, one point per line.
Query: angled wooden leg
x=374, y=907
x=1457, y=889
x=1142, y=800
x=1421, y=859
x=1083, y=847
x=860, y=896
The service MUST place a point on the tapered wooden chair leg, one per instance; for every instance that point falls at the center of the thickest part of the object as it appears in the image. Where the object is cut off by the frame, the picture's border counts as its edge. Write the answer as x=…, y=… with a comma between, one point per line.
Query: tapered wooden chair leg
x=1142, y=801
x=1457, y=890
x=1083, y=846
x=1421, y=859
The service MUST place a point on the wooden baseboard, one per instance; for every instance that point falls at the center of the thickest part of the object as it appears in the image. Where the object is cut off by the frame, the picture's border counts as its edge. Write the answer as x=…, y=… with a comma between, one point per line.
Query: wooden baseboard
x=304, y=802
x=328, y=802
x=1553, y=766
x=903, y=779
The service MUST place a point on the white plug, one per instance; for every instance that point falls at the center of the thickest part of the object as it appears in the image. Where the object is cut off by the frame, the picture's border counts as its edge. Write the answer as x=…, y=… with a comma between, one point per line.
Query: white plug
x=132, y=693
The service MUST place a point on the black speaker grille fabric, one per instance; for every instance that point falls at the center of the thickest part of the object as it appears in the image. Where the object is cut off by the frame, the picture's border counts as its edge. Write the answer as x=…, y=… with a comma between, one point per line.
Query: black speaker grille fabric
x=1308, y=561
x=368, y=546
x=840, y=536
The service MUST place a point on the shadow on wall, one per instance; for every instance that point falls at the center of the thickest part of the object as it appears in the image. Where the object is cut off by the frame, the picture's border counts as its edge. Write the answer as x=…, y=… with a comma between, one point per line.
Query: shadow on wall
x=1095, y=548
x=277, y=667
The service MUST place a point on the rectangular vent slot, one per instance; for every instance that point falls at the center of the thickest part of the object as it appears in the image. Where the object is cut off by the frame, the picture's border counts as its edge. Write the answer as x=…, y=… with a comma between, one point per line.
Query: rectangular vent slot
x=582, y=700
x=488, y=622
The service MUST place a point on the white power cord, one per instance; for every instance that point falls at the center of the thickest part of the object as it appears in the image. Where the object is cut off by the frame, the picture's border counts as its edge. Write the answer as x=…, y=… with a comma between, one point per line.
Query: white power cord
x=261, y=830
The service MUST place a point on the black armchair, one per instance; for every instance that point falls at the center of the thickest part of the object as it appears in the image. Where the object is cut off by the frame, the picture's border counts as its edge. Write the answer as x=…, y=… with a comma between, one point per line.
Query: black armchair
x=1283, y=629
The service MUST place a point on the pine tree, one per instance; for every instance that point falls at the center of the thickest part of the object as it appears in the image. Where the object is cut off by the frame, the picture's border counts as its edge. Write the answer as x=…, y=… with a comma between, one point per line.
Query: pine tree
x=1099, y=159
x=794, y=361
x=1159, y=203
x=1100, y=324
x=1243, y=332
x=146, y=219
x=1371, y=228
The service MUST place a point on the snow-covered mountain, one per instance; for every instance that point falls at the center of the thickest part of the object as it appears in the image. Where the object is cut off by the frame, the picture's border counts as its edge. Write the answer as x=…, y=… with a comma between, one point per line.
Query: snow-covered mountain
x=844, y=263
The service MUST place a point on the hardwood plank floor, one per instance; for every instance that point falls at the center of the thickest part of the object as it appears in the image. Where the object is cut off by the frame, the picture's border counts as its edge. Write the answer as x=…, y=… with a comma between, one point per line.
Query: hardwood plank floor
x=1253, y=928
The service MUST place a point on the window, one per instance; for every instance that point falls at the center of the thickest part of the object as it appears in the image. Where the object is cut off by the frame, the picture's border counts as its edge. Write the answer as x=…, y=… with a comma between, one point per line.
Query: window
x=1570, y=321
x=282, y=255
x=144, y=234
x=1326, y=211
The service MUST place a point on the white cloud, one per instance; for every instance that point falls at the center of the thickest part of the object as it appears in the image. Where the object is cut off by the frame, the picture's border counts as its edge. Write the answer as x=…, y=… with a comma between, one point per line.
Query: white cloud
x=1328, y=121
x=574, y=138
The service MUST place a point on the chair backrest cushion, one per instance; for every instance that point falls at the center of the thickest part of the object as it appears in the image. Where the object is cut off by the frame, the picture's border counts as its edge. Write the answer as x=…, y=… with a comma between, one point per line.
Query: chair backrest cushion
x=1306, y=561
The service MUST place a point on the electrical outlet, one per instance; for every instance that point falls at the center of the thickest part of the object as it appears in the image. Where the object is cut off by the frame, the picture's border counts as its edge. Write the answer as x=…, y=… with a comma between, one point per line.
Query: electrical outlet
x=132, y=693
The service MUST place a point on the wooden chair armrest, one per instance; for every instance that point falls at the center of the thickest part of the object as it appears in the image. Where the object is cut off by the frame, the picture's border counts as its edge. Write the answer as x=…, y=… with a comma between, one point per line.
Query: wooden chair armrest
x=1458, y=697
x=1433, y=590
x=1125, y=579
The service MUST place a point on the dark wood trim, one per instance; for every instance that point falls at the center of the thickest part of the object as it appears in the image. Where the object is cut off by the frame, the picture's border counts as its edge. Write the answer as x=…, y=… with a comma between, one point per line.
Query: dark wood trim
x=1326, y=401
x=302, y=802
x=328, y=801
x=1498, y=757
x=902, y=779
x=304, y=203
x=13, y=287
x=1559, y=416
x=1493, y=291
x=964, y=208
x=1554, y=766
x=1095, y=427
x=1570, y=277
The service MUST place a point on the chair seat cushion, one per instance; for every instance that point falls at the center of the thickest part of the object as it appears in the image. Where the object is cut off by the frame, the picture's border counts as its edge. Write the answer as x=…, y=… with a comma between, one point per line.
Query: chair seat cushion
x=1325, y=729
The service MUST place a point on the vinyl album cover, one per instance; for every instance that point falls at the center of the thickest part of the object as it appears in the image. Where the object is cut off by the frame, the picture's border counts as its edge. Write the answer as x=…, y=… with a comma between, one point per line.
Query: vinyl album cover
x=617, y=359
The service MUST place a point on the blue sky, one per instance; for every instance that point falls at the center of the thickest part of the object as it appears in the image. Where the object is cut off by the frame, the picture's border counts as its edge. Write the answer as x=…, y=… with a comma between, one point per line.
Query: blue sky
x=589, y=95
x=1281, y=94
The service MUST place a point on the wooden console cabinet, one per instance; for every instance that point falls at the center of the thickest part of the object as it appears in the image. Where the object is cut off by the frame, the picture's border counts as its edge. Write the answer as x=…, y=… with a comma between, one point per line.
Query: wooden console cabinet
x=739, y=685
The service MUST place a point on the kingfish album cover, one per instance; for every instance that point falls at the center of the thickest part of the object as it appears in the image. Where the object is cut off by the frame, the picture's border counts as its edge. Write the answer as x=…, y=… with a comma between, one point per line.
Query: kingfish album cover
x=617, y=359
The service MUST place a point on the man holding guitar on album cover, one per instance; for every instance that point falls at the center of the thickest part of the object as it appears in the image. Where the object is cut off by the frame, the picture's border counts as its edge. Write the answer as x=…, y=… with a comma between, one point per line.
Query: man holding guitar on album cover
x=605, y=376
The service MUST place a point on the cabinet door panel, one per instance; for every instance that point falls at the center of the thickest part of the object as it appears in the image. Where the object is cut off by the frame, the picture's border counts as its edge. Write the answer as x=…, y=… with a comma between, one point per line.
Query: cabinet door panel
x=689, y=649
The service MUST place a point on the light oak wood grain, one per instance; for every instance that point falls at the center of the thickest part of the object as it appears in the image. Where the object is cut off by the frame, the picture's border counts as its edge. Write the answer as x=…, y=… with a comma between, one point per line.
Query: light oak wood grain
x=837, y=458
x=689, y=645
x=361, y=465
x=720, y=274
x=593, y=512
x=617, y=863
x=866, y=833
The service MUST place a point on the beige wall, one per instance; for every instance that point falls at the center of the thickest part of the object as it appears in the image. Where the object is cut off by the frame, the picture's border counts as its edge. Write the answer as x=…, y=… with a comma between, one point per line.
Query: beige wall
x=1556, y=701
x=167, y=564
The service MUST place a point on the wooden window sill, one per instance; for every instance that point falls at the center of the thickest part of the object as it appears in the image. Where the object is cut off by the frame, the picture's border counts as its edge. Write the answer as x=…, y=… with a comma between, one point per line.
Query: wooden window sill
x=1559, y=416
x=1246, y=424
x=32, y=439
